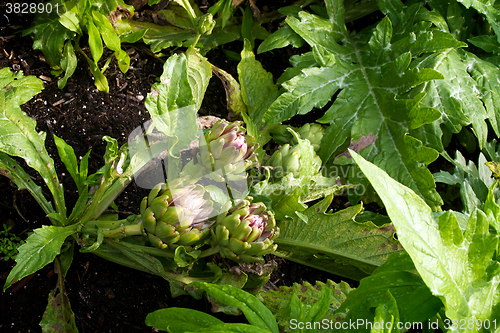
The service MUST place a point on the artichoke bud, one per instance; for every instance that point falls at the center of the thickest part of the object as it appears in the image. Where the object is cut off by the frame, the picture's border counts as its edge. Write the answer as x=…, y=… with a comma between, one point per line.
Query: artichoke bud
x=312, y=132
x=245, y=232
x=205, y=24
x=227, y=147
x=176, y=215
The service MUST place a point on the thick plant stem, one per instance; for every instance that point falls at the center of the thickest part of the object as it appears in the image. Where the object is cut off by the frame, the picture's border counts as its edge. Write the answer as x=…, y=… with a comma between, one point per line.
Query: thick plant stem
x=120, y=232
x=209, y=252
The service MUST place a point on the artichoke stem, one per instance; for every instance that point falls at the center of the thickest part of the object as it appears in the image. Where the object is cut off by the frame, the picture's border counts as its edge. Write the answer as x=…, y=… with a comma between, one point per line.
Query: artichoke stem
x=125, y=231
x=120, y=232
x=209, y=252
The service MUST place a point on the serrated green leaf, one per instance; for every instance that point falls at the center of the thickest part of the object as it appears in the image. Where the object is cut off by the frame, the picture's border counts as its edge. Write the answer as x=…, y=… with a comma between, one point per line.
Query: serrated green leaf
x=335, y=243
x=372, y=69
x=276, y=300
x=255, y=312
x=257, y=88
x=487, y=8
x=174, y=320
x=19, y=136
x=458, y=96
x=40, y=249
x=457, y=268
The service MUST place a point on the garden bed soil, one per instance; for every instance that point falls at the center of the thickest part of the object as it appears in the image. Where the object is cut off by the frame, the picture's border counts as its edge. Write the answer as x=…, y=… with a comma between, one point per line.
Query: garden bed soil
x=104, y=296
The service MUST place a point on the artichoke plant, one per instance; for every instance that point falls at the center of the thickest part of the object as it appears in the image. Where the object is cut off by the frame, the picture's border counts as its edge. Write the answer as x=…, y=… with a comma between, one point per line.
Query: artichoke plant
x=287, y=160
x=228, y=151
x=245, y=232
x=176, y=215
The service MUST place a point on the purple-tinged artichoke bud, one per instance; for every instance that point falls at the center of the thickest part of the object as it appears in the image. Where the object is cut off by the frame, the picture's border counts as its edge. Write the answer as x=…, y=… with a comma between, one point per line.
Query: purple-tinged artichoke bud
x=176, y=216
x=228, y=151
x=246, y=232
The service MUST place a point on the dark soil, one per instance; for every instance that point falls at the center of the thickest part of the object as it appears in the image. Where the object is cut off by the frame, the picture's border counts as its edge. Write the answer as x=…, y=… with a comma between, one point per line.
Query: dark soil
x=105, y=297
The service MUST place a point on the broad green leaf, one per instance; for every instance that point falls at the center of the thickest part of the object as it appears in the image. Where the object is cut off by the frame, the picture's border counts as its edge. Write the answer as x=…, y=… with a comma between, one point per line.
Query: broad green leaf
x=371, y=70
x=255, y=312
x=16, y=173
x=199, y=73
x=257, y=88
x=107, y=31
x=172, y=105
x=398, y=275
x=68, y=64
x=71, y=21
x=282, y=37
x=40, y=249
x=49, y=35
x=456, y=267
x=58, y=316
x=18, y=134
x=177, y=16
x=174, y=320
x=385, y=313
x=335, y=243
x=486, y=42
x=276, y=300
x=95, y=42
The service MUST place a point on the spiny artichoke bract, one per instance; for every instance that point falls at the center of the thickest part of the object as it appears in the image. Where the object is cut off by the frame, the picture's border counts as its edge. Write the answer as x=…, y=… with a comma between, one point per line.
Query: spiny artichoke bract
x=228, y=151
x=246, y=232
x=286, y=160
x=176, y=216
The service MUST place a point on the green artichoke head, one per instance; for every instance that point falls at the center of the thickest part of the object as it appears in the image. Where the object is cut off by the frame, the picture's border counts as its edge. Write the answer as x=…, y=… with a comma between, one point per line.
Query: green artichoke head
x=176, y=215
x=228, y=149
x=246, y=232
x=287, y=159
x=312, y=132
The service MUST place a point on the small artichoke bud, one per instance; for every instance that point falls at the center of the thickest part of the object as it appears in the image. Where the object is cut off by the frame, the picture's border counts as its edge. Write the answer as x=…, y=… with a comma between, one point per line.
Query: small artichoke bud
x=227, y=148
x=287, y=160
x=176, y=215
x=205, y=25
x=246, y=232
x=312, y=132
